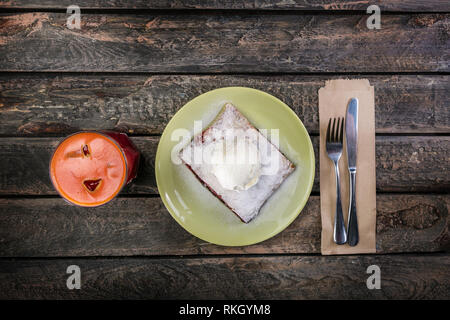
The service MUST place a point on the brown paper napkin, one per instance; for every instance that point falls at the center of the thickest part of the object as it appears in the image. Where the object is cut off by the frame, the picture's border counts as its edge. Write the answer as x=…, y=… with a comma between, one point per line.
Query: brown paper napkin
x=333, y=100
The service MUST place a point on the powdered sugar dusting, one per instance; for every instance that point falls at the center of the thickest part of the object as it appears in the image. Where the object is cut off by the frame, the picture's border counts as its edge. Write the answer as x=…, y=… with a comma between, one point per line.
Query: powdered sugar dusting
x=275, y=166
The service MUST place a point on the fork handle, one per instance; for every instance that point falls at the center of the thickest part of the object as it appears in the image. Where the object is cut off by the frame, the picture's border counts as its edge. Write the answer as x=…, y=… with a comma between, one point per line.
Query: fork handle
x=353, y=234
x=340, y=234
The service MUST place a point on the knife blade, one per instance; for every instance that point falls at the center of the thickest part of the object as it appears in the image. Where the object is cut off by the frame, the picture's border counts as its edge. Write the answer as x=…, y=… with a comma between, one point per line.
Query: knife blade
x=351, y=132
x=351, y=137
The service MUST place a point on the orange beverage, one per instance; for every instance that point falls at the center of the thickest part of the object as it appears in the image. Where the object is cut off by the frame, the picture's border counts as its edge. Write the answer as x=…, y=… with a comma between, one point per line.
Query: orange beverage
x=90, y=168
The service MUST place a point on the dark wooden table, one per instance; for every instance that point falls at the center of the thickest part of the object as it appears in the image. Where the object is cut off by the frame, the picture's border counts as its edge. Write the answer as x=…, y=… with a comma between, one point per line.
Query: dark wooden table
x=133, y=64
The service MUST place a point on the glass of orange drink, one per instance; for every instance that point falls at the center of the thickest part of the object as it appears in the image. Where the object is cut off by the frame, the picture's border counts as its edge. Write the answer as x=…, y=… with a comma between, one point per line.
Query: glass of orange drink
x=90, y=168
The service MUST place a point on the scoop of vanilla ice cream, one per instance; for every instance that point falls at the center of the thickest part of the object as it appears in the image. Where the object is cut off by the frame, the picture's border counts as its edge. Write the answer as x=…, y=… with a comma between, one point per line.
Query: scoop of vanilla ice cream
x=236, y=163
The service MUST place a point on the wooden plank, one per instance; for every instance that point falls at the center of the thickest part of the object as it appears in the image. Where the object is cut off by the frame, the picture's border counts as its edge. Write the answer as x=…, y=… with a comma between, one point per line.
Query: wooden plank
x=43, y=104
x=224, y=43
x=392, y=5
x=401, y=161
x=45, y=227
x=18, y=177
x=404, y=164
x=26, y=160
x=286, y=277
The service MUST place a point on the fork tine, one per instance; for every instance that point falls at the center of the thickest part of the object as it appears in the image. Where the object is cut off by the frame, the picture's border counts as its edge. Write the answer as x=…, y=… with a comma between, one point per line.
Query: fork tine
x=338, y=130
x=336, y=136
x=333, y=131
x=341, y=136
x=328, y=130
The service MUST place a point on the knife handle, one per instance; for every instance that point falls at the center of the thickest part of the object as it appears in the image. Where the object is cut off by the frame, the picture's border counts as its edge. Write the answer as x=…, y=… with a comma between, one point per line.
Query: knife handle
x=352, y=233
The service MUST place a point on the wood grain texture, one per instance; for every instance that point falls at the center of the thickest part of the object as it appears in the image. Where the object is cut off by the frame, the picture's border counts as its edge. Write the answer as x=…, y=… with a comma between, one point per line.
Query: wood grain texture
x=391, y=5
x=403, y=164
x=46, y=104
x=142, y=226
x=224, y=43
x=288, y=277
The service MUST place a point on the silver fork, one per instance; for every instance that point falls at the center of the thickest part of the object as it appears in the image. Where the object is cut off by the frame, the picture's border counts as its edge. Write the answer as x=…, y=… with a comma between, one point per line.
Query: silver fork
x=334, y=152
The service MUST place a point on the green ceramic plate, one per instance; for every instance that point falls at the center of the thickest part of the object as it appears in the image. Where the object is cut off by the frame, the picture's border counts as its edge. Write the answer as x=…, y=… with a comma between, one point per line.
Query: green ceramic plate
x=195, y=208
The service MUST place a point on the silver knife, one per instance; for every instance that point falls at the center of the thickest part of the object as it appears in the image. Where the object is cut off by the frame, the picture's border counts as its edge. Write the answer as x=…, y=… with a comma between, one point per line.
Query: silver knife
x=351, y=135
